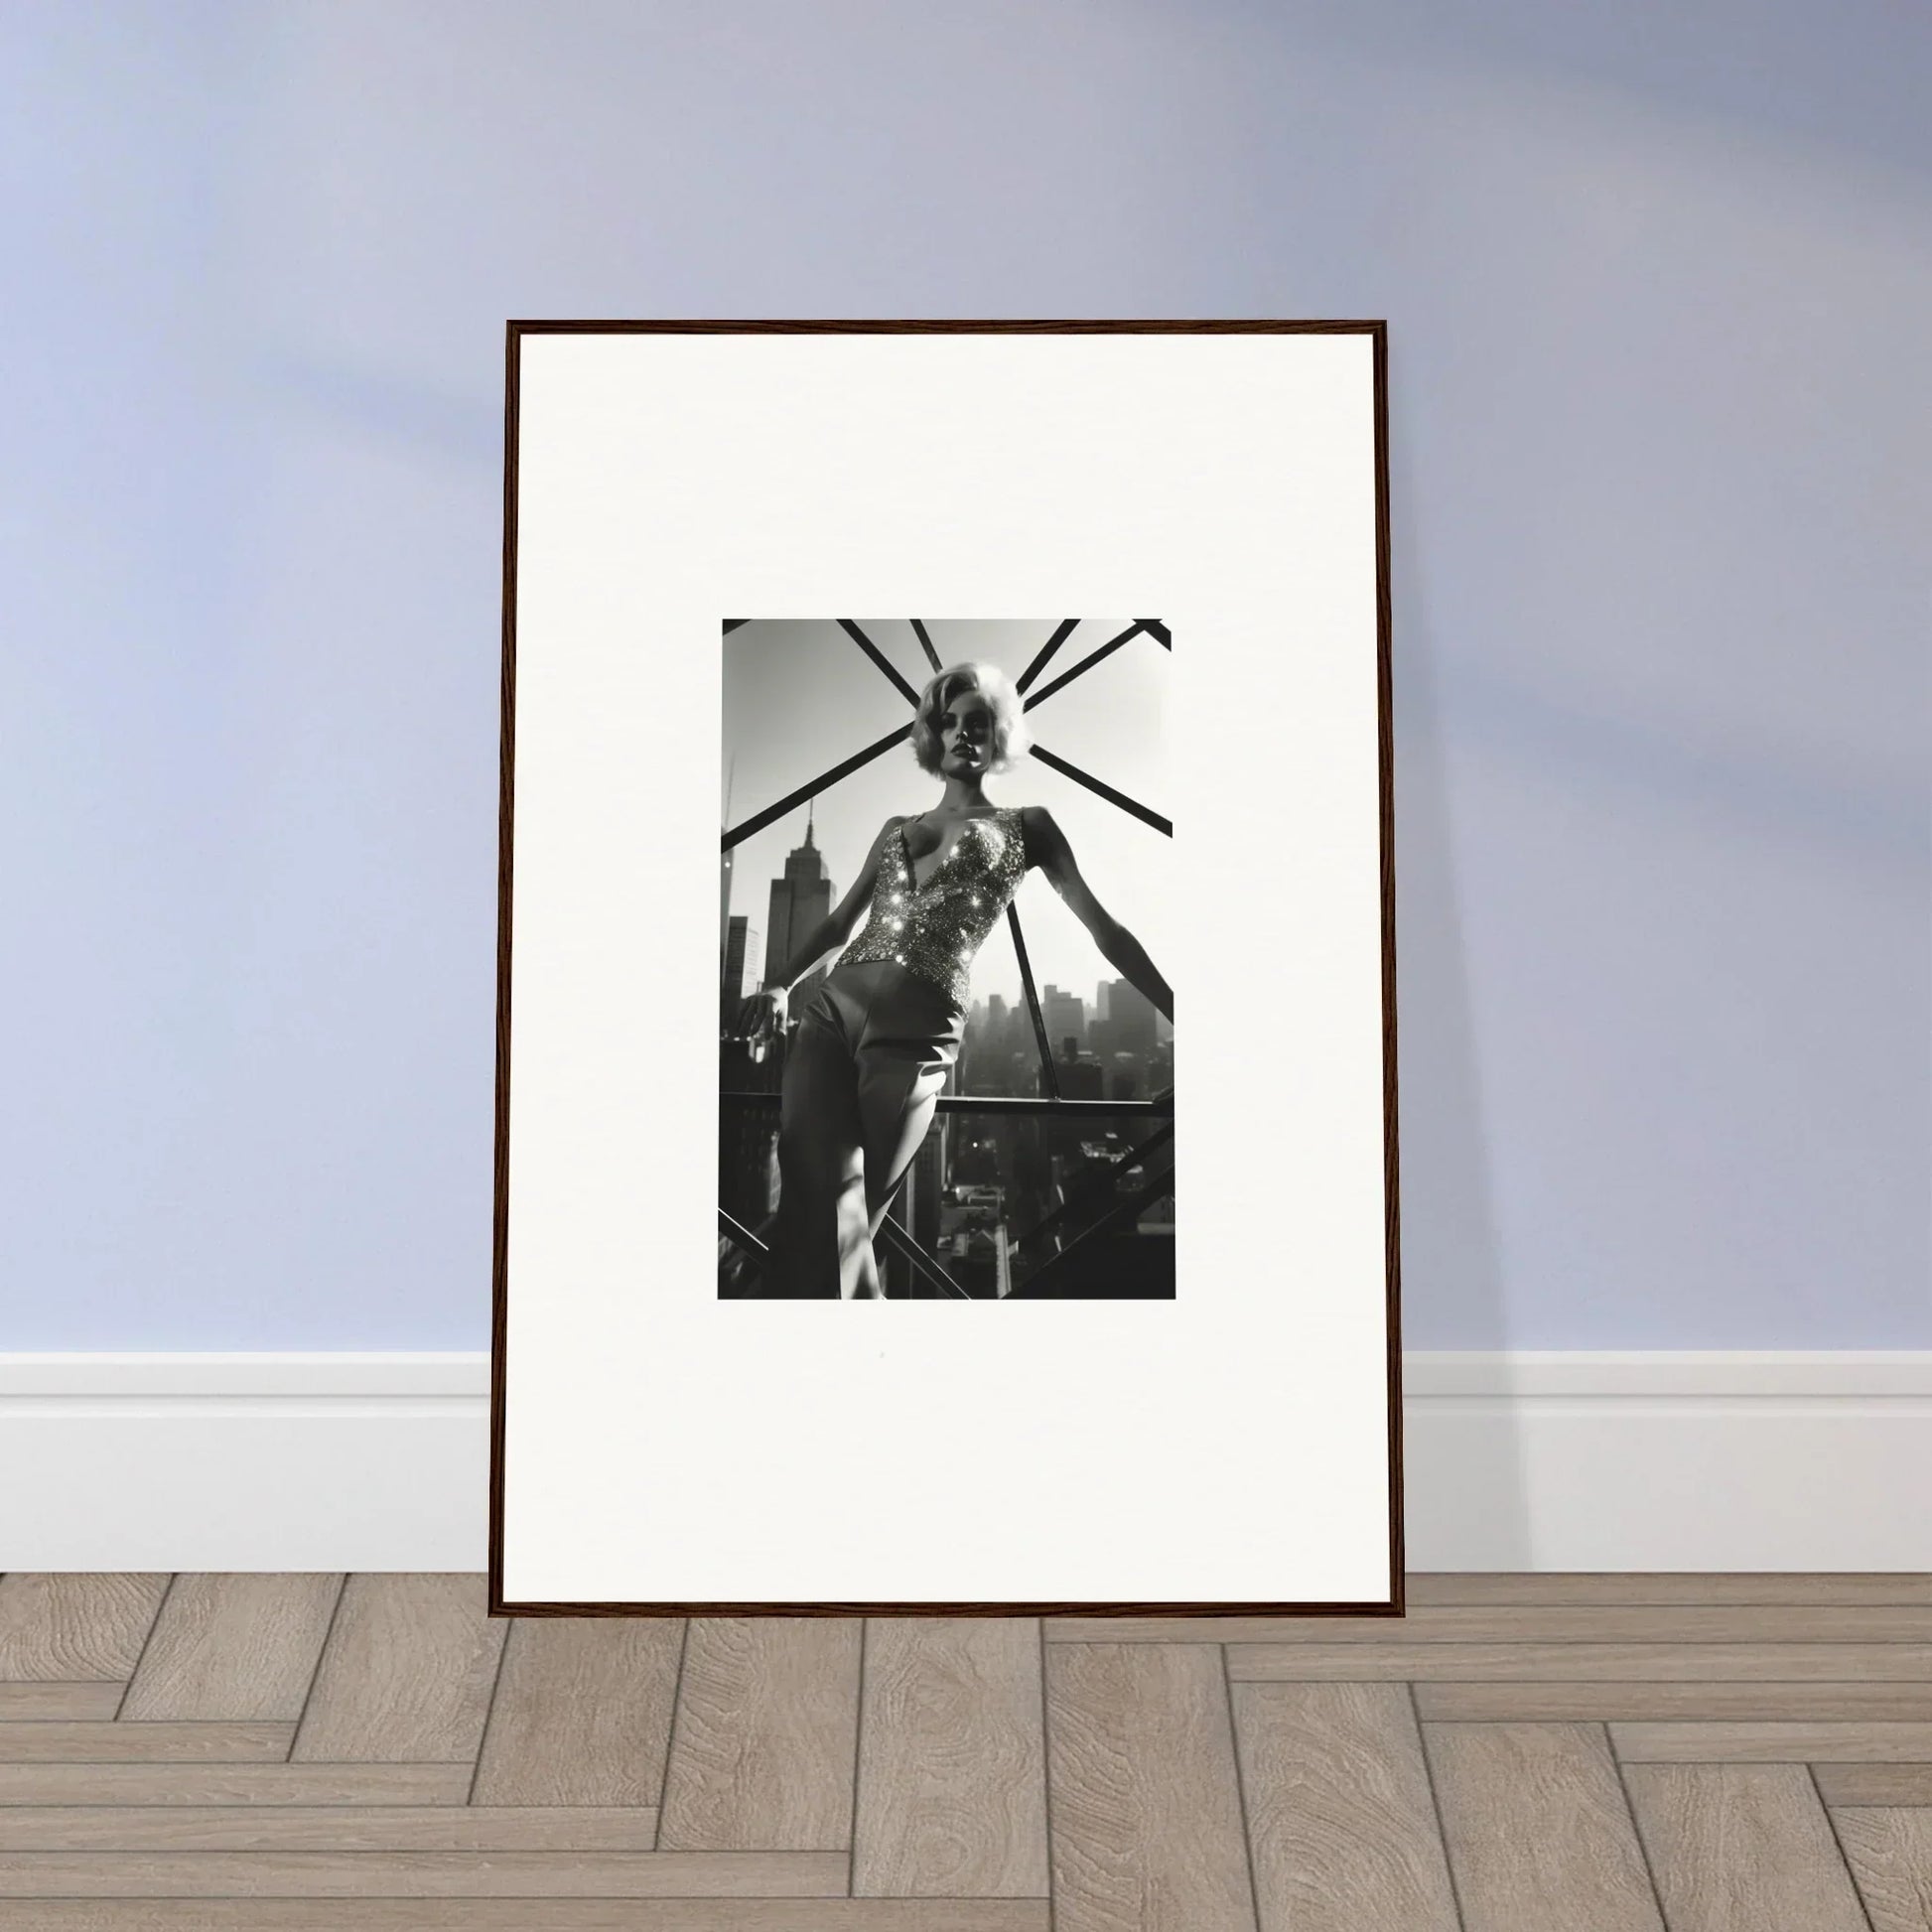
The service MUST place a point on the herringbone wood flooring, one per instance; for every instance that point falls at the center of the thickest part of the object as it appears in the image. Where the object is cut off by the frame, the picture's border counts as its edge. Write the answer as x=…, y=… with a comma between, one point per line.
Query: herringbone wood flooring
x=1716, y=1754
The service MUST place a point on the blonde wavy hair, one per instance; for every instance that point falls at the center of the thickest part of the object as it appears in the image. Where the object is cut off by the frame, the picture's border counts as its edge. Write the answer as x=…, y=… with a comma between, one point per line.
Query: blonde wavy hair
x=1011, y=737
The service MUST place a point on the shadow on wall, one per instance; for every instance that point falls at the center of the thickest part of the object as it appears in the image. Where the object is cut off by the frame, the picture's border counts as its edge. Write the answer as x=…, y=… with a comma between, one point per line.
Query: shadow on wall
x=1451, y=1264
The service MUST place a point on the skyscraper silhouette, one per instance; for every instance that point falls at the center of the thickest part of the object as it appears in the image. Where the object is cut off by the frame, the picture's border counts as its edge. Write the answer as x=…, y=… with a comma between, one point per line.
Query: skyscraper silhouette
x=799, y=899
x=1065, y=1014
x=738, y=929
x=726, y=863
x=1133, y=1016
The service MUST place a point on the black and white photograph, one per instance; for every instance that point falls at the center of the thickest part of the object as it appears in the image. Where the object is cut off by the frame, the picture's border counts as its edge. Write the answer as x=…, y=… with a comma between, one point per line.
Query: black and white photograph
x=945, y=1037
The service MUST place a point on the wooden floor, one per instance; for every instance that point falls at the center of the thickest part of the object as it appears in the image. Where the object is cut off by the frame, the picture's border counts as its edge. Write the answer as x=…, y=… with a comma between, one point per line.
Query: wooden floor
x=1719, y=1753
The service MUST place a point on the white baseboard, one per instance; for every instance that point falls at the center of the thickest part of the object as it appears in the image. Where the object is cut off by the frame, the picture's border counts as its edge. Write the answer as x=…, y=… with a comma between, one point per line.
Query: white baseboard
x=1769, y=1460
x=244, y=1462
x=1525, y=1461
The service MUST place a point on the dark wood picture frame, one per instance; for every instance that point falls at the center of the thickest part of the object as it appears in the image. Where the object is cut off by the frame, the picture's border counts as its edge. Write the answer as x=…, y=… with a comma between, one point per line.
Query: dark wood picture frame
x=1378, y=333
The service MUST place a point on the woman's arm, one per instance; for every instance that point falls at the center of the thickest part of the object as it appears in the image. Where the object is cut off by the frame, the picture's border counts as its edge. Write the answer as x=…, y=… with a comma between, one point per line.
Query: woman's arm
x=837, y=926
x=1047, y=848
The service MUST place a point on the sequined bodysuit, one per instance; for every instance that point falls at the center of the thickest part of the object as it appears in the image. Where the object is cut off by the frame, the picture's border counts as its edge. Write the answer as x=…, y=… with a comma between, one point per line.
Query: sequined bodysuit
x=934, y=929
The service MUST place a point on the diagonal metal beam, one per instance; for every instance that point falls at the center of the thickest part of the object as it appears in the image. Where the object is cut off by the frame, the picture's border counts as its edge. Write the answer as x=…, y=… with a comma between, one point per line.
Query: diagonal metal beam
x=1159, y=631
x=925, y=645
x=733, y=623
x=1106, y=791
x=793, y=799
x=1086, y=664
x=879, y=657
x=923, y=1263
x=1097, y=1185
x=740, y=1236
x=1048, y=1076
x=1162, y=1184
x=1059, y=636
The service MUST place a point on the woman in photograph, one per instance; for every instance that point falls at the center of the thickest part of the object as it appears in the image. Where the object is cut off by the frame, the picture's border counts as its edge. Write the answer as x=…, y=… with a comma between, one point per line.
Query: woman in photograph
x=872, y=1049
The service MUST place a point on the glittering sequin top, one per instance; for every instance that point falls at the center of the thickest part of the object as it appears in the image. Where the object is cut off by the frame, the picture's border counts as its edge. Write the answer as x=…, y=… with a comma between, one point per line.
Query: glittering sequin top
x=934, y=929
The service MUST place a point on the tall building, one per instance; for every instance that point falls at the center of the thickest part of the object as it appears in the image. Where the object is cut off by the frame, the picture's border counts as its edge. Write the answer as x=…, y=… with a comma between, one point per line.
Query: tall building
x=725, y=863
x=799, y=899
x=1159, y=1070
x=1080, y=1077
x=1132, y=1020
x=986, y=1065
x=731, y=989
x=1065, y=1014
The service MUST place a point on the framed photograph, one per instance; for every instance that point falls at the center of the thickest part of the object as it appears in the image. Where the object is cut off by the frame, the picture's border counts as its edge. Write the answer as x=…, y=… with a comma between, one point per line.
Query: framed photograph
x=921, y=1046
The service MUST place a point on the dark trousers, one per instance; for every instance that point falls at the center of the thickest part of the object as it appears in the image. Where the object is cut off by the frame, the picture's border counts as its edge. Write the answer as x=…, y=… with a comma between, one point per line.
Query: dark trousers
x=865, y=1067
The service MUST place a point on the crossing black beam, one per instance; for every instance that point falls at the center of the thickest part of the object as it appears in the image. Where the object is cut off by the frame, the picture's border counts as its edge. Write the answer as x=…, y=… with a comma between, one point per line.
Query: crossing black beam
x=1106, y=791
x=793, y=799
x=1086, y=664
x=879, y=657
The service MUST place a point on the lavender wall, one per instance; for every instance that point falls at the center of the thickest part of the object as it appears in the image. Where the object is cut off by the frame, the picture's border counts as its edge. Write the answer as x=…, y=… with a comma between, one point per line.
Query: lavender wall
x=1659, y=281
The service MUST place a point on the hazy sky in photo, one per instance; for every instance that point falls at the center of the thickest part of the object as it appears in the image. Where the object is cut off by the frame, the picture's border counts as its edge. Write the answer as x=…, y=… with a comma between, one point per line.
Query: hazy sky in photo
x=800, y=696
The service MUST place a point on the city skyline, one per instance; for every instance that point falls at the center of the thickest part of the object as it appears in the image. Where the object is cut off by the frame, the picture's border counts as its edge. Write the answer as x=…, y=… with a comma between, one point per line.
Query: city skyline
x=800, y=695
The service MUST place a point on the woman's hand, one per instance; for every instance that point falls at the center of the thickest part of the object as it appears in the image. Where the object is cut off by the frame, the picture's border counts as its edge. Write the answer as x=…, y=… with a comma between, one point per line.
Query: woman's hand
x=763, y=1014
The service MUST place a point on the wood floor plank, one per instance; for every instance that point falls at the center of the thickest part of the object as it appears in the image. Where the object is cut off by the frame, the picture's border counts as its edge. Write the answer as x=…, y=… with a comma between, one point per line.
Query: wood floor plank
x=764, y=1738
x=952, y=1770
x=1874, y=1784
x=1772, y=1743
x=1743, y=1702
x=1538, y=1623
x=233, y=1646
x=48, y=1699
x=1503, y=1663
x=516, y=1915
x=1538, y=1831
x=1340, y=1820
x=326, y=1828
x=582, y=1711
x=118, y=1743
x=1428, y=1587
x=70, y=1624
x=1741, y=1849
x=423, y=1874
x=1890, y=1850
x=1736, y=1703
x=408, y=1672
x=1142, y=1791
x=233, y=1785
